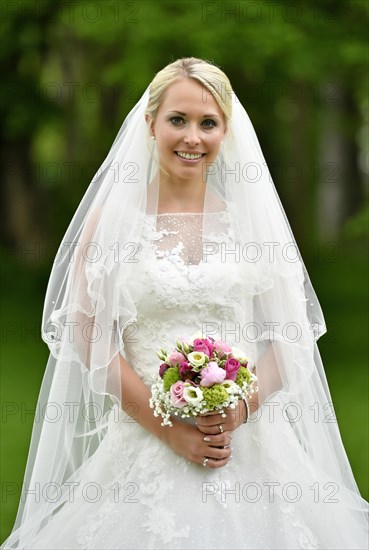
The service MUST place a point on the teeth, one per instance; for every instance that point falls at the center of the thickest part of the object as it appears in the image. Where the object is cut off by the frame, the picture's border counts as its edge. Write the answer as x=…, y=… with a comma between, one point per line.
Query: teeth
x=189, y=156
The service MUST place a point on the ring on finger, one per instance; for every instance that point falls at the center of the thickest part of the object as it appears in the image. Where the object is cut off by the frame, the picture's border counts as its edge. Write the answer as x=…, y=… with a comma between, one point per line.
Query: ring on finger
x=220, y=428
x=205, y=461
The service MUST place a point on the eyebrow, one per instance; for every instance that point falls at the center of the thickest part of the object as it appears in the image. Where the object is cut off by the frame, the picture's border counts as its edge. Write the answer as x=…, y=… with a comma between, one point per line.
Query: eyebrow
x=184, y=114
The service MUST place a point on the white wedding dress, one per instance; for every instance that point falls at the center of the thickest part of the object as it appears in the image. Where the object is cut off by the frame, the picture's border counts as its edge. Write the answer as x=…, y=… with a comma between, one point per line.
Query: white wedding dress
x=136, y=493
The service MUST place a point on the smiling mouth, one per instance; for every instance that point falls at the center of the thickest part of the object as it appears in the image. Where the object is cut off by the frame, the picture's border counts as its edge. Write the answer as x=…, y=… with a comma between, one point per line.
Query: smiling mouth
x=189, y=156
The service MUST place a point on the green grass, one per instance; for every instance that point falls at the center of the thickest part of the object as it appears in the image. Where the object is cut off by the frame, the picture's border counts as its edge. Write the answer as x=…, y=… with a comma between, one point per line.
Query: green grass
x=341, y=288
x=23, y=360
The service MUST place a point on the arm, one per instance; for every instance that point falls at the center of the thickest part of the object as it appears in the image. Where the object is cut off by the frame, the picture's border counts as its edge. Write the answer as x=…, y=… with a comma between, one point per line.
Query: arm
x=134, y=391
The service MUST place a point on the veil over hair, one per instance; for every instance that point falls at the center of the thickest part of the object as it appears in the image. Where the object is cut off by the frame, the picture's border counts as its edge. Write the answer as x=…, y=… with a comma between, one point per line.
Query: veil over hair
x=90, y=312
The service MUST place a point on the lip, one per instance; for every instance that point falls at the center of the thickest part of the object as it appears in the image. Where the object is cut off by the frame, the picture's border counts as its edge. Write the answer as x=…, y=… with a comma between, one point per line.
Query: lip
x=190, y=161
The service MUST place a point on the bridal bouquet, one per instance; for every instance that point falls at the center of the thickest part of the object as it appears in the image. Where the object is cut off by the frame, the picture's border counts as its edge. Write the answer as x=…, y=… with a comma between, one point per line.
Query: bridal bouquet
x=199, y=376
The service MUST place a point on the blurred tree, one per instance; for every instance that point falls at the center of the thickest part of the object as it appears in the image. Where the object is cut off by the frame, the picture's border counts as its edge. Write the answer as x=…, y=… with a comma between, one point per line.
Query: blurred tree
x=78, y=68
x=24, y=109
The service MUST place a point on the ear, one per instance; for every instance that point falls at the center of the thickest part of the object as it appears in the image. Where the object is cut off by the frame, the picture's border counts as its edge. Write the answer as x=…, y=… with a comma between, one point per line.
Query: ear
x=150, y=124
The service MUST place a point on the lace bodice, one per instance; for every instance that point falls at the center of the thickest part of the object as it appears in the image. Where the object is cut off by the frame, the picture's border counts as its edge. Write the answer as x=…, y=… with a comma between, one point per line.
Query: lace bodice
x=183, y=284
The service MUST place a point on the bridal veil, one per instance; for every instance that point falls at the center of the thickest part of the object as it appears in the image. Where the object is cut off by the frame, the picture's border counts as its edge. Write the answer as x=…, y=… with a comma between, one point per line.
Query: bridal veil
x=89, y=311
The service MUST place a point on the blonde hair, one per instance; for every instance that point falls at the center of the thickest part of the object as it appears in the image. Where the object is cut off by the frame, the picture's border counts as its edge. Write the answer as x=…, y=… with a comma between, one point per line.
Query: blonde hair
x=208, y=74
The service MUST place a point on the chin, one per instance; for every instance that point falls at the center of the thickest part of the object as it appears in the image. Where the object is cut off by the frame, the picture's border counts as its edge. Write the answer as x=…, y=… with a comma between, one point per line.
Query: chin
x=183, y=170
x=186, y=174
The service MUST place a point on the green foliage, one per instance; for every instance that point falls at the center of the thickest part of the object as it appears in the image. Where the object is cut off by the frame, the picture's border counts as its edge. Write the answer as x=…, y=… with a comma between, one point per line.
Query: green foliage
x=171, y=376
x=76, y=70
x=357, y=226
x=243, y=375
x=214, y=396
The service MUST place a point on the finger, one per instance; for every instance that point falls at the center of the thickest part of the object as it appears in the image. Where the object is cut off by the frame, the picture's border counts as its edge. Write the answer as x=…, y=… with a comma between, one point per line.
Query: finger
x=209, y=420
x=230, y=425
x=216, y=453
x=227, y=445
x=218, y=440
x=222, y=415
x=210, y=430
x=211, y=463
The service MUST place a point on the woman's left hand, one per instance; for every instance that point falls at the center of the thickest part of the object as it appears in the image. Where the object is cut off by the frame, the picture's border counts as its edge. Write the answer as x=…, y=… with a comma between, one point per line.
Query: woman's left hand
x=209, y=423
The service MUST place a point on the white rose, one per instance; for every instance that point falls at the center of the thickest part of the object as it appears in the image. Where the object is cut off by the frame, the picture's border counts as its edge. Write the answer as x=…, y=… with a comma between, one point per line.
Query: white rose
x=230, y=386
x=192, y=394
x=196, y=358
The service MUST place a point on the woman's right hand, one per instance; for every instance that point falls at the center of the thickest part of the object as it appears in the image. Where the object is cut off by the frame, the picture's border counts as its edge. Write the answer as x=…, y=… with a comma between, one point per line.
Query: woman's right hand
x=186, y=440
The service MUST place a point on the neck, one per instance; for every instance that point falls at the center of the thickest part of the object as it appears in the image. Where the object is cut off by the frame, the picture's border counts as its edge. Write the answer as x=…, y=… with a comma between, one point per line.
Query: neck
x=182, y=193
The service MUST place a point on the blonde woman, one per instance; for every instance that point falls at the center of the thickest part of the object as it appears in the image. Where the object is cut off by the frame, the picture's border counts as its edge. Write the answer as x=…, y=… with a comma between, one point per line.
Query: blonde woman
x=181, y=234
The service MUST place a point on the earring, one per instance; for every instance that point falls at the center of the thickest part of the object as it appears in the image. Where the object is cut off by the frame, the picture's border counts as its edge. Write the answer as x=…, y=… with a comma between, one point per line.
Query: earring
x=152, y=137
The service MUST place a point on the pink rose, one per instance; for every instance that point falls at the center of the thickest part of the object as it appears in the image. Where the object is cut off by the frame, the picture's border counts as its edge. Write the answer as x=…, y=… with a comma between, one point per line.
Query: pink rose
x=163, y=367
x=205, y=346
x=212, y=374
x=176, y=394
x=186, y=372
x=219, y=345
x=210, y=344
x=176, y=357
x=231, y=368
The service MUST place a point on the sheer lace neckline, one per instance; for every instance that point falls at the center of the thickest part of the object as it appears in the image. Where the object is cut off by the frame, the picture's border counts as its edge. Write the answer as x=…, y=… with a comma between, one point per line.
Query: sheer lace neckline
x=178, y=236
x=186, y=213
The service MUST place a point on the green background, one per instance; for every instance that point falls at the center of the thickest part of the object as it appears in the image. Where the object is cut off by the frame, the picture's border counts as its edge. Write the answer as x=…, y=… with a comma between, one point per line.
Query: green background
x=73, y=70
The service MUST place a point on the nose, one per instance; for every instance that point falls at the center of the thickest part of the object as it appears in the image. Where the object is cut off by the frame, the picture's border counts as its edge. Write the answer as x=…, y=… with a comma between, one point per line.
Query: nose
x=191, y=138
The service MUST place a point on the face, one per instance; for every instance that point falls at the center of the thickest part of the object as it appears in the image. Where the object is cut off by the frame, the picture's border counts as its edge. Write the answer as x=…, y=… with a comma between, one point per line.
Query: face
x=188, y=122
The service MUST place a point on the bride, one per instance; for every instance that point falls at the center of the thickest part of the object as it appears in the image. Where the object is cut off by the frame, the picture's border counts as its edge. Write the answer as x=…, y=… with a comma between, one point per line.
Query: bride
x=181, y=234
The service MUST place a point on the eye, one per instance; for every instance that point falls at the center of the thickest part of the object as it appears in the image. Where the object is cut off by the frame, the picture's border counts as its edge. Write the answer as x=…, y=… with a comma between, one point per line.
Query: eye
x=174, y=118
x=213, y=123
